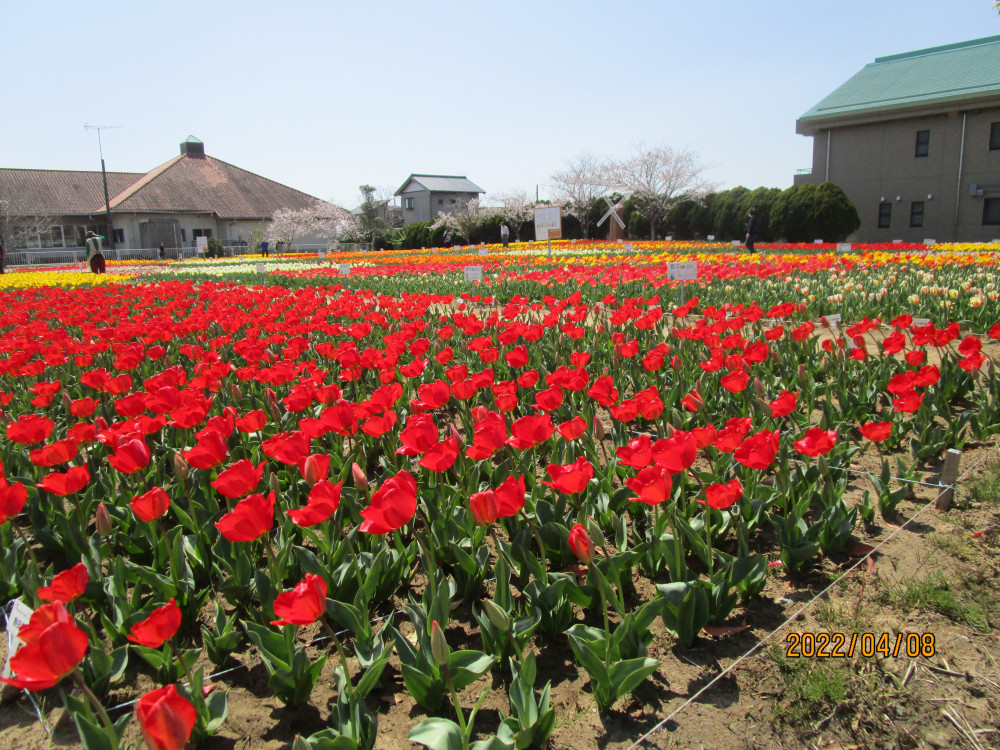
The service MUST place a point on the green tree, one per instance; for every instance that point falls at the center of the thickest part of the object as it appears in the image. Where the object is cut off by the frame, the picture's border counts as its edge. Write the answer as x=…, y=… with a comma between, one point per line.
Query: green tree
x=806, y=212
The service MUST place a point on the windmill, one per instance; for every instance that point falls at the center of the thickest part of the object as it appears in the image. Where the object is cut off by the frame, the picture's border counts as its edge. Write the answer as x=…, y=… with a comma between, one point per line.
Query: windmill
x=613, y=212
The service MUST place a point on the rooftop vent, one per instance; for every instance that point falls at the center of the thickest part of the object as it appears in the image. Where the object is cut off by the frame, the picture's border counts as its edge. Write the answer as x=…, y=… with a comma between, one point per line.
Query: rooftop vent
x=192, y=147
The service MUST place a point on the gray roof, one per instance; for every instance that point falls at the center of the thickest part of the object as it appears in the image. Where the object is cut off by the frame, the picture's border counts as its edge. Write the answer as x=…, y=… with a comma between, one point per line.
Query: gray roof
x=442, y=183
x=967, y=72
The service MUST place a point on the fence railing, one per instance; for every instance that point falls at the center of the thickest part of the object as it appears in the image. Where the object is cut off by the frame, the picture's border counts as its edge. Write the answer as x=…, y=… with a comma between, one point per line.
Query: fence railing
x=21, y=257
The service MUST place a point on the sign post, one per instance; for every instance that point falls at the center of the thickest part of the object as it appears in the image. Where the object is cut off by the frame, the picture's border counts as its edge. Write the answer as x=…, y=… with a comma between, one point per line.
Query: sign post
x=548, y=224
x=682, y=272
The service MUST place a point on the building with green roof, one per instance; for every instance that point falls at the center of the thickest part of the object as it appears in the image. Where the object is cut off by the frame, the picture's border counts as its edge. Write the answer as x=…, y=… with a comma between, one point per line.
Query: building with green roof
x=914, y=140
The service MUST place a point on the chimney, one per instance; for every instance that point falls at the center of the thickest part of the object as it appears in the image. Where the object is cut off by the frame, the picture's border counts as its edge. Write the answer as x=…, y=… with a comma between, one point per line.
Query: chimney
x=192, y=147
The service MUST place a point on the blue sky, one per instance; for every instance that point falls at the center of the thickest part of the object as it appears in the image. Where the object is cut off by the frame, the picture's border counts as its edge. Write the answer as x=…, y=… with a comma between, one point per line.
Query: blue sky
x=325, y=96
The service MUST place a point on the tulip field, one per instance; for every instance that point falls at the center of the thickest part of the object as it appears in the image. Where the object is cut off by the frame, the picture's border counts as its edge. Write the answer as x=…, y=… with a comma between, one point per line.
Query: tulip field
x=386, y=506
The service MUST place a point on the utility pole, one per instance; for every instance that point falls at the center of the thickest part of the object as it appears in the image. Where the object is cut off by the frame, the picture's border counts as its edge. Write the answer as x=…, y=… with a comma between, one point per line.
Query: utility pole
x=104, y=176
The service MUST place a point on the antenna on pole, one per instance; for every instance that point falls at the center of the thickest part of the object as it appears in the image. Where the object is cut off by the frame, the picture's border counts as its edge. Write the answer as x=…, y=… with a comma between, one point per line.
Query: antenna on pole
x=104, y=177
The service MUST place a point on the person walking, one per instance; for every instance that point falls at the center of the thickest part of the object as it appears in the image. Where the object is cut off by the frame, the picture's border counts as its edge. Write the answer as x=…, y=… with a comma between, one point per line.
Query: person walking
x=504, y=234
x=94, y=255
x=753, y=230
x=163, y=252
x=263, y=248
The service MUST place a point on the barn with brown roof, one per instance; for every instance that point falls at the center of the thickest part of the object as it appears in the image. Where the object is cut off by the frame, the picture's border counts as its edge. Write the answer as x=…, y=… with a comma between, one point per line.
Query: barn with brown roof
x=192, y=195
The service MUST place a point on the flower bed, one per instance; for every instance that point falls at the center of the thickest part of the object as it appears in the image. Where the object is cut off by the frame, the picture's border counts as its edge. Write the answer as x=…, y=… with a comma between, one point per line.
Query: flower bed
x=405, y=484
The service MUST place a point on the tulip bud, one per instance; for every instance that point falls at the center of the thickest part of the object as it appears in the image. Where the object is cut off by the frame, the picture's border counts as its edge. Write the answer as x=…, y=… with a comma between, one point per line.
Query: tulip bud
x=274, y=411
x=458, y=438
x=766, y=408
x=315, y=467
x=102, y=520
x=358, y=475
x=595, y=532
x=801, y=374
x=758, y=385
x=67, y=401
x=235, y=392
x=599, y=431
x=483, y=506
x=273, y=483
x=581, y=544
x=439, y=644
x=824, y=467
x=181, y=468
x=499, y=618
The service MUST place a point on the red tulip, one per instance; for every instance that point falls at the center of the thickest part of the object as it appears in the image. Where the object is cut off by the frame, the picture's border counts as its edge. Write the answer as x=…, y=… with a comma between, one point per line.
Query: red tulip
x=735, y=382
x=210, y=451
x=722, y=496
x=239, y=479
x=166, y=717
x=83, y=407
x=784, y=404
x=581, y=543
x=60, y=452
x=324, y=498
x=510, y=496
x=441, y=456
x=315, y=467
x=392, y=505
x=638, y=453
x=252, y=421
x=876, y=431
x=677, y=452
x=66, y=586
x=12, y=499
x=572, y=478
x=54, y=646
x=65, y=483
x=303, y=604
x=527, y=432
x=151, y=505
x=652, y=485
x=159, y=626
x=30, y=428
x=758, y=451
x=419, y=436
x=908, y=402
x=252, y=517
x=549, y=399
x=573, y=428
x=130, y=456
x=287, y=447
x=483, y=506
x=816, y=442
x=693, y=400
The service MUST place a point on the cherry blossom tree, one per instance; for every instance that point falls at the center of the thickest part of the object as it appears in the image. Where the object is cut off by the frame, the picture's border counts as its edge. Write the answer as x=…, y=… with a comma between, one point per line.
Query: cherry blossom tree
x=517, y=208
x=321, y=220
x=584, y=179
x=464, y=221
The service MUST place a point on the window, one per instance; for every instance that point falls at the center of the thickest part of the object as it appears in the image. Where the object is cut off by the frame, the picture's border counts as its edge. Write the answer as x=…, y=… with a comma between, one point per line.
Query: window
x=183, y=235
x=201, y=233
x=995, y=136
x=884, y=215
x=119, y=236
x=991, y=212
x=440, y=201
x=453, y=201
x=917, y=214
x=408, y=204
x=923, y=143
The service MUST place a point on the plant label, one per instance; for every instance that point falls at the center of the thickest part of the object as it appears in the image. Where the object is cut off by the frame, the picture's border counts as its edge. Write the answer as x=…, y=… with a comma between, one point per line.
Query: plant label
x=457, y=248
x=711, y=238
x=628, y=248
x=921, y=322
x=682, y=271
x=930, y=242
x=483, y=252
x=321, y=254
x=817, y=242
x=735, y=243
x=668, y=238
x=833, y=320
x=345, y=269
x=843, y=247
x=473, y=273
x=260, y=268
x=19, y=615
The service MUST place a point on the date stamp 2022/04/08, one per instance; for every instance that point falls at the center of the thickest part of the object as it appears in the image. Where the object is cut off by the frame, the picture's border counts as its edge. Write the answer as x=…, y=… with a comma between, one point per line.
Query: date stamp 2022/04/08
x=849, y=645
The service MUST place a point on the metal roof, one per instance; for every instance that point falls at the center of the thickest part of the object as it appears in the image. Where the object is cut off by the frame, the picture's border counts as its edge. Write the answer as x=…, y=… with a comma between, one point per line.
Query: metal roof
x=56, y=192
x=441, y=183
x=954, y=73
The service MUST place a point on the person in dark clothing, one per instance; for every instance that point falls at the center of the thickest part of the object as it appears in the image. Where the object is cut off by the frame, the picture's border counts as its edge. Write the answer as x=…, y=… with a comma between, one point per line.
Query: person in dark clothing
x=163, y=252
x=1, y=255
x=753, y=230
x=263, y=248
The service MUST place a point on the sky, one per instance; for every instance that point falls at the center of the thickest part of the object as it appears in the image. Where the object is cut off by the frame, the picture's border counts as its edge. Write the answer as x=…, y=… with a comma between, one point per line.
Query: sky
x=324, y=96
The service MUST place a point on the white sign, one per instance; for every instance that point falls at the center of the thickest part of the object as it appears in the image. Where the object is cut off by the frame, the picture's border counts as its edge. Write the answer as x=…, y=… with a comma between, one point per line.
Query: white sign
x=548, y=223
x=921, y=322
x=202, y=244
x=833, y=320
x=930, y=242
x=260, y=268
x=483, y=251
x=321, y=254
x=668, y=238
x=345, y=269
x=817, y=242
x=457, y=248
x=711, y=238
x=20, y=613
x=735, y=243
x=628, y=248
x=843, y=247
x=682, y=271
x=473, y=273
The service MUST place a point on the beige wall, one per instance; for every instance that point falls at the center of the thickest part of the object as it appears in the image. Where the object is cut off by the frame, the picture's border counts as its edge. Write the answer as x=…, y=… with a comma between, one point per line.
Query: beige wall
x=875, y=160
